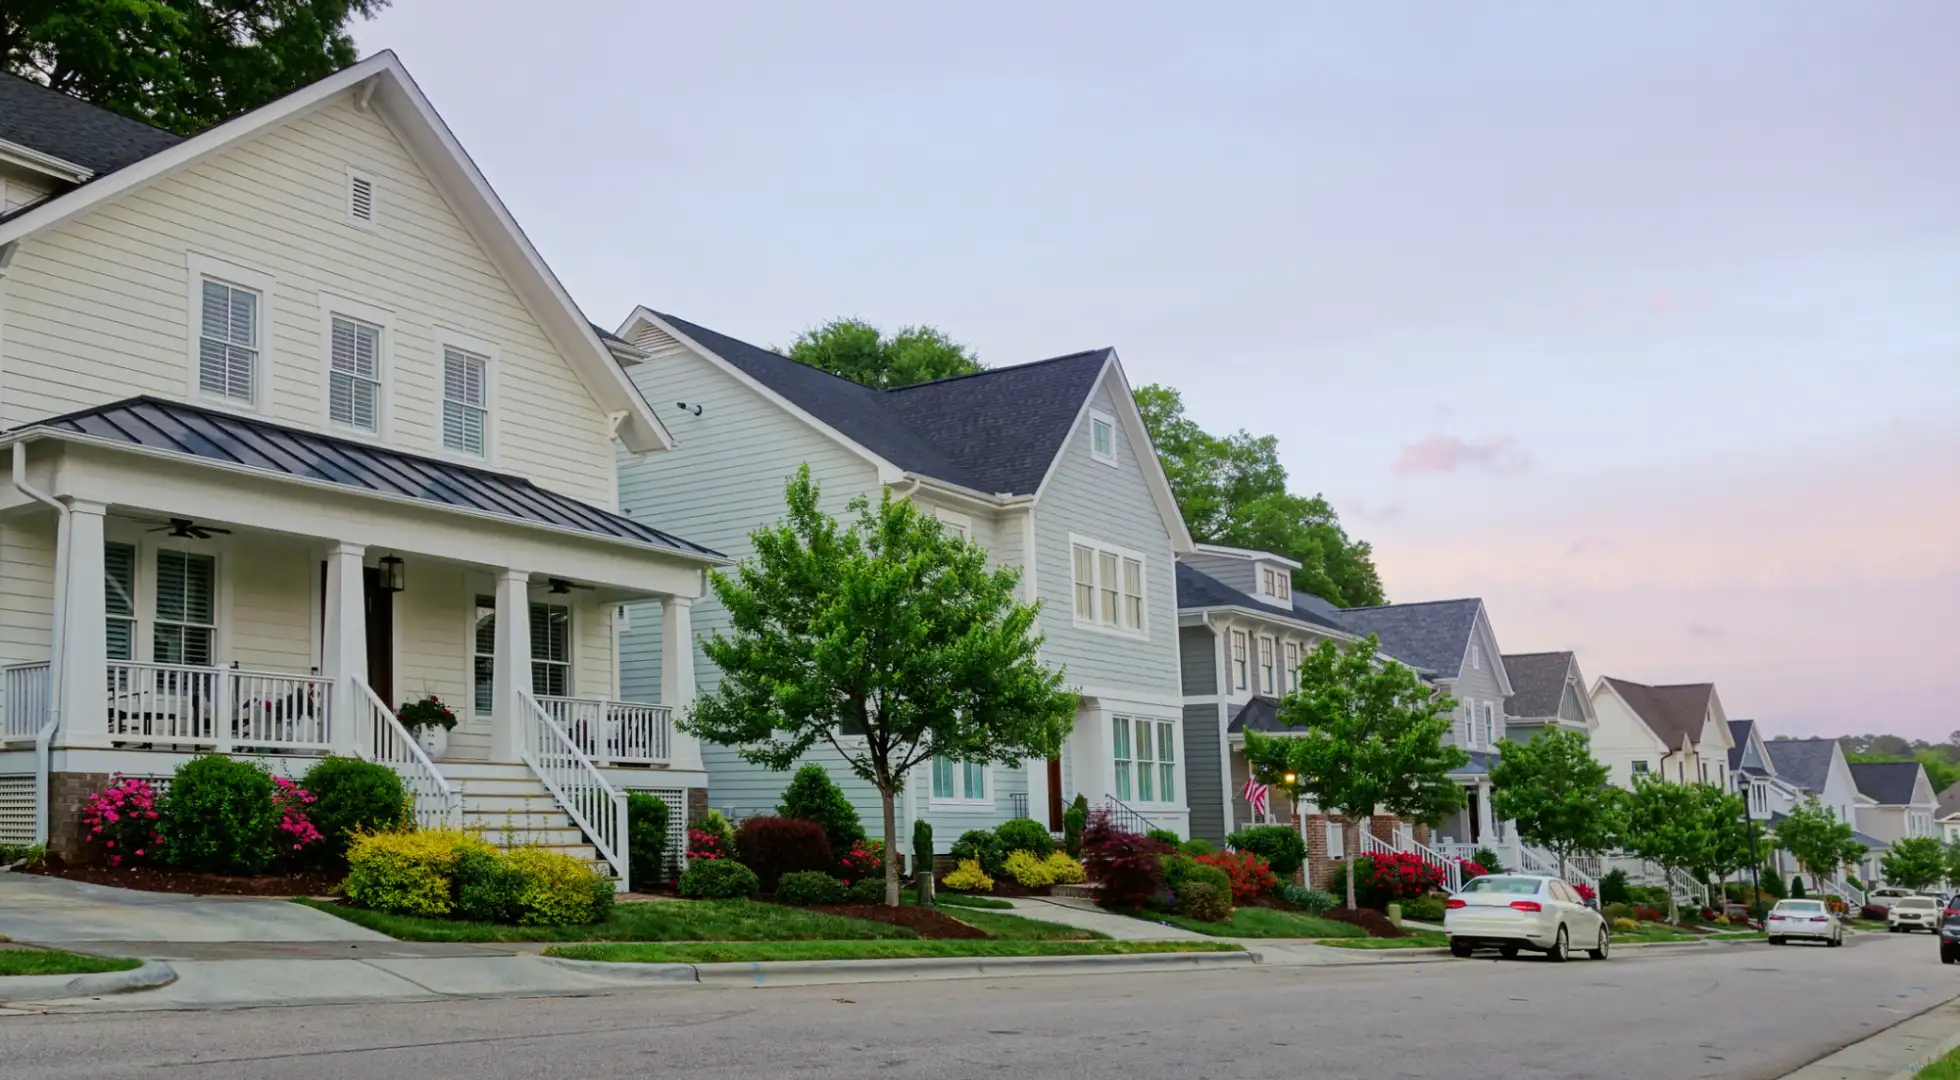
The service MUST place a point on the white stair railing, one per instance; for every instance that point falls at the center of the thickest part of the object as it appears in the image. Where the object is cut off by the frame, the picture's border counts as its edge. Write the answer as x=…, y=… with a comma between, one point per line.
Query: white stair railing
x=1452, y=869
x=380, y=737
x=26, y=701
x=1685, y=887
x=615, y=732
x=595, y=806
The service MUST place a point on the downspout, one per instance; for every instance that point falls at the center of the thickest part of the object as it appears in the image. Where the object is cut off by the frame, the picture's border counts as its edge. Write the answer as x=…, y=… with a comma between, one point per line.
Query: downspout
x=44, y=738
x=1220, y=685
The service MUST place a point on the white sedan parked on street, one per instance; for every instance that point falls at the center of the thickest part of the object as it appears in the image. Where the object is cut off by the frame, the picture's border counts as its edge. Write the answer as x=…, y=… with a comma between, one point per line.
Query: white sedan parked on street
x=1802, y=919
x=1509, y=912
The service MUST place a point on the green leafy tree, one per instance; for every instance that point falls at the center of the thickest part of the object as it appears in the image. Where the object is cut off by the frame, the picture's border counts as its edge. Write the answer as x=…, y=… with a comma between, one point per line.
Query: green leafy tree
x=1916, y=863
x=1727, y=848
x=1673, y=825
x=1952, y=856
x=1556, y=793
x=1367, y=738
x=179, y=64
x=859, y=352
x=1232, y=490
x=887, y=640
x=1817, y=839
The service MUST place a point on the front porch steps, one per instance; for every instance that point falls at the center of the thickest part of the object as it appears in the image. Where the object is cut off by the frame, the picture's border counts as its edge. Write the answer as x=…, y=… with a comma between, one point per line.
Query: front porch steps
x=511, y=806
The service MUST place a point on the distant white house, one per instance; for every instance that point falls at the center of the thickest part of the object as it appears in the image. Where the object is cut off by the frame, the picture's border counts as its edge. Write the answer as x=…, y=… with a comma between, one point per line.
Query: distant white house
x=1675, y=733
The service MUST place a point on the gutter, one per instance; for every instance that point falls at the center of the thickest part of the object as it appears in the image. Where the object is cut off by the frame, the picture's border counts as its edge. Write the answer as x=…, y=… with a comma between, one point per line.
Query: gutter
x=63, y=563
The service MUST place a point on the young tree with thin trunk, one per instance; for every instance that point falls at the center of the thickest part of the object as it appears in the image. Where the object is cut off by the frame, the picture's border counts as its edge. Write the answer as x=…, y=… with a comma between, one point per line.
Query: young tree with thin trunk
x=1556, y=793
x=1367, y=739
x=1817, y=839
x=1670, y=824
x=1917, y=863
x=889, y=641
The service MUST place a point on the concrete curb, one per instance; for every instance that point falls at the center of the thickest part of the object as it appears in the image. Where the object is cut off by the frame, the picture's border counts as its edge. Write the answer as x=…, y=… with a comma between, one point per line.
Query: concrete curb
x=1895, y=1053
x=803, y=972
x=55, y=987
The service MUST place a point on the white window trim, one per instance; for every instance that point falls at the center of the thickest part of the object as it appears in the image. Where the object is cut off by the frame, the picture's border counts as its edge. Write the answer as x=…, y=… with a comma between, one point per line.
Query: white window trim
x=1268, y=665
x=1335, y=835
x=959, y=782
x=199, y=267
x=1099, y=416
x=1142, y=632
x=1236, y=680
x=492, y=428
x=1290, y=666
x=331, y=305
x=355, y=172
x=960, y=524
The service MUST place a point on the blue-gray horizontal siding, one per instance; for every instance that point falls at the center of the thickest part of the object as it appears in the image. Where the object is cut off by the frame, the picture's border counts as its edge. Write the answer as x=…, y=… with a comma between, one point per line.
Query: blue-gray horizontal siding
x=1204, y=784
x=1197, y=657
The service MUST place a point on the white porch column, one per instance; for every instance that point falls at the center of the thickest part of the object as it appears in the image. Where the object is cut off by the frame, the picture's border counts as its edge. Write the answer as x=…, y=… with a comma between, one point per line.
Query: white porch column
x=84, y=627
x=1036, y=769
x=343, y=642
x=512, y=661
x=677, y=676
x=1486, y=828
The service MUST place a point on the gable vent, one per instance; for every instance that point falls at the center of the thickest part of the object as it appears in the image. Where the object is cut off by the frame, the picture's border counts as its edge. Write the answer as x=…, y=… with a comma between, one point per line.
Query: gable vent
x=360, y=198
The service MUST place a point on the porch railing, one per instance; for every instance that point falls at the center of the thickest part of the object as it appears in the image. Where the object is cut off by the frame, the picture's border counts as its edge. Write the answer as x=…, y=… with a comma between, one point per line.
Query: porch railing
x=1124, y=817
x=380, y=737
x=614, y=732
x=25, y=697
x=595, y=806
x=222, y=709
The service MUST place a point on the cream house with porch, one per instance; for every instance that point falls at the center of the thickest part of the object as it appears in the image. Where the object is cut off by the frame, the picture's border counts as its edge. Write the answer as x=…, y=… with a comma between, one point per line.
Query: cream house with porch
x=297, y=427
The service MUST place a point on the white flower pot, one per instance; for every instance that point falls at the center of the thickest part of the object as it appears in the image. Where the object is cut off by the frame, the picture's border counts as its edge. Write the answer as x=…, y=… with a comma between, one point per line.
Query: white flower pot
x=434, y=740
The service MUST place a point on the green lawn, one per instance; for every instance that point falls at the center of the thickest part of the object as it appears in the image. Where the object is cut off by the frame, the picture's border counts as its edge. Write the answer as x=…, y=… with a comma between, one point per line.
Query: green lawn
x=1413, y=941
x=1015, y=928
x=751, y=951
x=652, y=920
x=56, y=962
x=1259, y=922
x=1946, y=1068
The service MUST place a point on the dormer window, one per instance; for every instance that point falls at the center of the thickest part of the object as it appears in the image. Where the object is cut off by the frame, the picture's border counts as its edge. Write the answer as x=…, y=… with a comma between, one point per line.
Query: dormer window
x=1275, y=583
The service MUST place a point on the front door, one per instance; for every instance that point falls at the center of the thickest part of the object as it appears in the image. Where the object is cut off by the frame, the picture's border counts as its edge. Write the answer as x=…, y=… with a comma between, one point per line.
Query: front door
x=380, y=635
x=1470, y=809
x=1055, y=794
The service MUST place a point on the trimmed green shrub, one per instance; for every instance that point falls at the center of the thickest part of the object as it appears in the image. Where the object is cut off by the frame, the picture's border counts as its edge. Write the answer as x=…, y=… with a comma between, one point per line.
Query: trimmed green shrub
x=558, y=889
x=1653, y=896
x=646, y=837
x=1617, y=911
x=218, y=817
x=982, y=847
x=807, y=887
x=1773, y=883
x=1613, y=888
x=488, y=888
x=1282, y=846
x=1075, y=821
x=1181, y=869
x=813, y=796
x=868, y=891
x=1024, y=834
x=1204, y=902
x=1196, y=846
x=409, y=873
x=718, y=879
x=921, y=862
x=1488, y=859
x=349, y=796
x=1164, y=836
x=774, y=846
x=1427, y=909
x=1311, y=901
x=1796, y=887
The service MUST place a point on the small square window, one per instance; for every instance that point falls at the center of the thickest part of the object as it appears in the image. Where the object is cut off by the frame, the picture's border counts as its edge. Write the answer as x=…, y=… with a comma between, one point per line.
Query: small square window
x=1102, y=437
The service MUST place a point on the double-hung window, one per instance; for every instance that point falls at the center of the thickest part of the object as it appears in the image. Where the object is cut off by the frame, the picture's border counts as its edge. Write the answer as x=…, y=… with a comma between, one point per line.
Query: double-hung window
x=119, y=579
x=958, y=781
x=1109, y=587
x=551, y=650
x=1266, y=680
x=1290, y=680
x=1166, y=762
x=1239, y=659
x=1145, y=758
x=1490, y=725
x=1121, y=757
x=228, y=341
x=354, y=374
x=483, y=656
x=1275, y=583
x=186, y=608
x=465, y=401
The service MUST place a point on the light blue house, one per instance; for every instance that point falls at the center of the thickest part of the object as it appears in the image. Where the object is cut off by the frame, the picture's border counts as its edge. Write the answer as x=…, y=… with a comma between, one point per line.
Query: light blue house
x=1046, y=465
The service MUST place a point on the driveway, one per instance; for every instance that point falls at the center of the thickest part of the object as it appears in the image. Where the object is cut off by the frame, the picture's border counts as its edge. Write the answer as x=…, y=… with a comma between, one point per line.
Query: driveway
x=51, y=911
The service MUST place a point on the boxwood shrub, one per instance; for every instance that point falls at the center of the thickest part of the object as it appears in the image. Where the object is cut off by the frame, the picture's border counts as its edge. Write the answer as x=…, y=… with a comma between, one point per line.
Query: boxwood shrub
x=1024, y=834
x=718, y=879
x=218, y=817
x=350, y=796
x=806, y=887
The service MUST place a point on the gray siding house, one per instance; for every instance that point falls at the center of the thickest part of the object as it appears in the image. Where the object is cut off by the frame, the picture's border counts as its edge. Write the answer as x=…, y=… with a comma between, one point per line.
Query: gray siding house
x=1046, y=465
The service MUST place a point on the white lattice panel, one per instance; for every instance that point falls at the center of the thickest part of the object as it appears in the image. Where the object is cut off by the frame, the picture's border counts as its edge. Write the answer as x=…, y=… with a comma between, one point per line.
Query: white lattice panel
x=17, y=809
x=676, y=800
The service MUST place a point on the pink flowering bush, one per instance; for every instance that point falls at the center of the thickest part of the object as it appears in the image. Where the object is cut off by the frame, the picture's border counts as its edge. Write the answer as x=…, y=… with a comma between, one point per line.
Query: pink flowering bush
x=291, y=801
x=121, y=820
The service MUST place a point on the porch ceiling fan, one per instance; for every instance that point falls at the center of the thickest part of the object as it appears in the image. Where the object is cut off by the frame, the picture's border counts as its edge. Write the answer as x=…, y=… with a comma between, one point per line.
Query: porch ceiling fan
x=559, y=586
x=186, y=529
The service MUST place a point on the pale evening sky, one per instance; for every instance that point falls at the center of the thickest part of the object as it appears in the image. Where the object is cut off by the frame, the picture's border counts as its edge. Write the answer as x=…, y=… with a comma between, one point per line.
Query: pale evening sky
x=1641, y=322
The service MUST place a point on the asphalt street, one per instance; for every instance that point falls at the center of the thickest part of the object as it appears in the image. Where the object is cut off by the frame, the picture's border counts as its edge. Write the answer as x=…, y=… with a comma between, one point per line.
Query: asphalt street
x=1738, y=1011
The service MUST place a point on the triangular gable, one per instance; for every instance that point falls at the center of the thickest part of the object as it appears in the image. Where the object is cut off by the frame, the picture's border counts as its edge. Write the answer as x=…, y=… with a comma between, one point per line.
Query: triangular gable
x=381, y=83
x=1131, y=418
x=1483, y=634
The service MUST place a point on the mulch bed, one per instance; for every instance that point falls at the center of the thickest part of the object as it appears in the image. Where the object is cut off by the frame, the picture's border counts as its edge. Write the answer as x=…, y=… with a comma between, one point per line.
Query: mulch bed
x=166, y=880
x=1374, y=922
x=924, y=922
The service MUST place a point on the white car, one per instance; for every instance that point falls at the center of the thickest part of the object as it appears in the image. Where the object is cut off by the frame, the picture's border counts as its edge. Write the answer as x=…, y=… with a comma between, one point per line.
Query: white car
x=1803, y=919
x=1909, y=913
x=1509, y=912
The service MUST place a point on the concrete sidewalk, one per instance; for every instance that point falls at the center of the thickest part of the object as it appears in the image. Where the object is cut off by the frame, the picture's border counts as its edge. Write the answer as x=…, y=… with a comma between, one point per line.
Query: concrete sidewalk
x=52, y=911
x=1085, y=915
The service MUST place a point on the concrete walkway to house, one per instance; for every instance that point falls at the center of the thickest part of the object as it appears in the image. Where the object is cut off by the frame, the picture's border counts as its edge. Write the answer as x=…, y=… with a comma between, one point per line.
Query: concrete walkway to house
x=1085, y=915
x=51, y=911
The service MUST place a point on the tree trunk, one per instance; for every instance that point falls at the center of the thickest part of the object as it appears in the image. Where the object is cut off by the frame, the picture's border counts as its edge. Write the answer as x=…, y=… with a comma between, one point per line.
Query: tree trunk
x=891, y=848
x=1353, y=846
x=1673, y=908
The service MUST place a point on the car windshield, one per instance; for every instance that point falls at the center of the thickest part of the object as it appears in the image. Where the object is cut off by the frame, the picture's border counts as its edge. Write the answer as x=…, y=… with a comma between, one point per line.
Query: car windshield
x=1497, y=883
x=1918, y=902
x=1799, y=907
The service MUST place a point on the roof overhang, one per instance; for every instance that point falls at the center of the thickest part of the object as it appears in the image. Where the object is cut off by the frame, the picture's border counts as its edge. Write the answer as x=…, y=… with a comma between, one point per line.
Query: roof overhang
x=382, y=84
x=26, y=157
x=1198, y=614
x=1245, y=553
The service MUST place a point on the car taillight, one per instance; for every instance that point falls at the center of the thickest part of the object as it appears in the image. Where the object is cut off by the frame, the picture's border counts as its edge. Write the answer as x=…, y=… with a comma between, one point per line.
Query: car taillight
x=1454, y=903
x=1527, y=905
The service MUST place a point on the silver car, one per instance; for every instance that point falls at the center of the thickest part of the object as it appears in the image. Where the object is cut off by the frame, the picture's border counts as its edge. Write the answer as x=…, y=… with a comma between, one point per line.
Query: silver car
x=1810, y=919
x=1510, y=912
x=1909, y=913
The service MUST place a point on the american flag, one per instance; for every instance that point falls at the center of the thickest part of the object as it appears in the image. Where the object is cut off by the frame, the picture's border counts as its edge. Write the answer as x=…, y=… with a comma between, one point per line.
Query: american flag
x=1259, y=796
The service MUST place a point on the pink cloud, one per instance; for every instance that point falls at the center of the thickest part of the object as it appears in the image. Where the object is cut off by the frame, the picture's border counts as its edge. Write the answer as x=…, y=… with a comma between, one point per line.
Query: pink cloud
x=1448, y=453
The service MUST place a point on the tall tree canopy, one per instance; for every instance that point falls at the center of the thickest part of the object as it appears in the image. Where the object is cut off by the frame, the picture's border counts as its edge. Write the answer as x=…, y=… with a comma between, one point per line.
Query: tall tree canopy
x=861, y=353
x=887, y=640
x=1232, y=490
x=179, y=64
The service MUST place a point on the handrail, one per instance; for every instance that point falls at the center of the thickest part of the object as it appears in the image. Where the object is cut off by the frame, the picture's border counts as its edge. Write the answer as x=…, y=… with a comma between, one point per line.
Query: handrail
x=581, y=790
x=380, y=737
x=1452, y=869
x=1124, y=816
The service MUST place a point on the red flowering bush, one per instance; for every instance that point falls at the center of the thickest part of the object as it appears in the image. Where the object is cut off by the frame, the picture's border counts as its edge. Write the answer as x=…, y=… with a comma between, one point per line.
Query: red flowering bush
x=1646, y=914
x=1128, y=868
x=702, y=844
x=122, y=819
x=1586, y=892
x=1387, y=878
x=1470, y=868
x=866, y=859
x=1252, y=877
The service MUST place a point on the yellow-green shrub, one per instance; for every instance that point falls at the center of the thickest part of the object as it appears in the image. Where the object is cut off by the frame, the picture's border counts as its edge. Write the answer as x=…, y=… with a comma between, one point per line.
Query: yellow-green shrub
x=1029, y=869
x=1063, y=870
x=558, y=889
x=1626, y=926
x=407, y=873
x=969, y=878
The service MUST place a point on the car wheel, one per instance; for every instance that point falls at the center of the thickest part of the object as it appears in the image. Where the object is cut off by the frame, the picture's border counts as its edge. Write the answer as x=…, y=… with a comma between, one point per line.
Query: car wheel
x=1947, y=957
x=1459, y=948
x=1508, y=952
x=1601, y=952
x=1561, y=948
x=1776, y=941
x=1836, y=940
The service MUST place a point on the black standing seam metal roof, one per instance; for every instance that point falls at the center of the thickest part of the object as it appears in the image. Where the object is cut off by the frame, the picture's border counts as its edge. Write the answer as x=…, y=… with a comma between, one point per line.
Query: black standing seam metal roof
x=994, y=432
x=223, y=437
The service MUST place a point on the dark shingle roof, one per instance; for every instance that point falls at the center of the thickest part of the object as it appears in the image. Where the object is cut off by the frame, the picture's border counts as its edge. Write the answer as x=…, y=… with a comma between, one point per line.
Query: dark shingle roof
x=1889, y=782
x=1739, y=732
x=1197, y=589
x=1803, y=762
x=1433, y=636
x=74, y=130
x=1537, y=683
x=1260, y=714
x=273, y=448
x=1949, y=801
x=996, y=432
x=1670, y=711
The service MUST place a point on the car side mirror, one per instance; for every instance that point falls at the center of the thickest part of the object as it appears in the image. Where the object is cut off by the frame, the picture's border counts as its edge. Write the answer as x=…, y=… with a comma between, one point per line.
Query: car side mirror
x=1593, y=903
